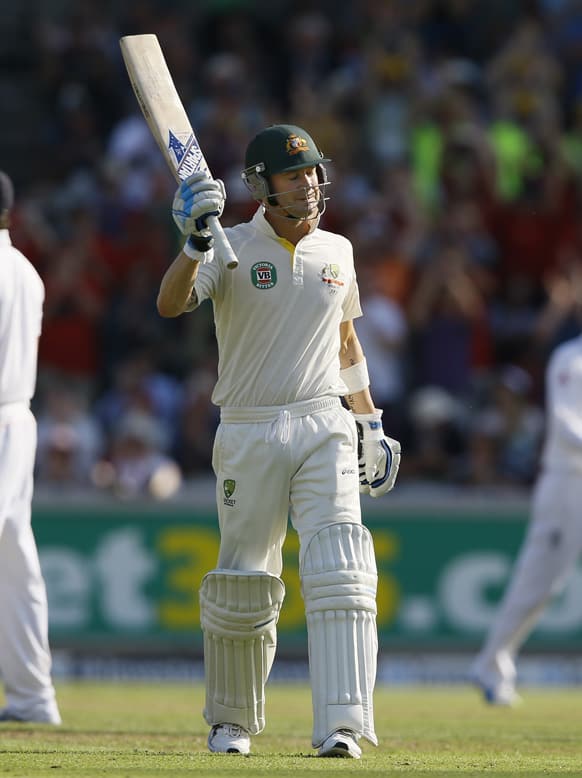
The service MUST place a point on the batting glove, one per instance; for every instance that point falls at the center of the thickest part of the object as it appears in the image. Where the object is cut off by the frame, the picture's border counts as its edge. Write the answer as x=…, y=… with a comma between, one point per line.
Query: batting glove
x=378, y=455
x=197, y=198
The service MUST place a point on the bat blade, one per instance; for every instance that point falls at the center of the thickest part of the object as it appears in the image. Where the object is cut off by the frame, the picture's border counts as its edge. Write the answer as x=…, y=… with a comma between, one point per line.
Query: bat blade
x=167, y=119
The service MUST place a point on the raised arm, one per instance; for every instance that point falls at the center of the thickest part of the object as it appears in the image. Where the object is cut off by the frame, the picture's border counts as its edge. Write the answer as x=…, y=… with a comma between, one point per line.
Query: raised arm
x=197, y=198
x=177, y=286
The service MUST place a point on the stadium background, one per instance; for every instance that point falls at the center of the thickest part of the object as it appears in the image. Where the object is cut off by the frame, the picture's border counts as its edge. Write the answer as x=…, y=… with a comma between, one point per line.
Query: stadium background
x=454, y=132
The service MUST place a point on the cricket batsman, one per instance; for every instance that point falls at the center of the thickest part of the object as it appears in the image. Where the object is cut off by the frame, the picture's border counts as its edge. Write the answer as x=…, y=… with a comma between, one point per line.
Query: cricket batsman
x=286, y=447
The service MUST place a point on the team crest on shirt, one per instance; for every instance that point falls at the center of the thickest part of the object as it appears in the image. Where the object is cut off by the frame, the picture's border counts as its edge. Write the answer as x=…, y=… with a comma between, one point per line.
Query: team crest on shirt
x=263, y=275
x=228, y=486
x=331, y=276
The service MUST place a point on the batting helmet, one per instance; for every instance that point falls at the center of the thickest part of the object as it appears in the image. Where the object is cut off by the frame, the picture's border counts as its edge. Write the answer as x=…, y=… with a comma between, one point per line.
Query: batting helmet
x=280, y=148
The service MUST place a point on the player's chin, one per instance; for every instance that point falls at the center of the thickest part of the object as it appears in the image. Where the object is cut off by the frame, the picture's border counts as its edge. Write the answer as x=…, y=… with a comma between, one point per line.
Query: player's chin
x=306, y=210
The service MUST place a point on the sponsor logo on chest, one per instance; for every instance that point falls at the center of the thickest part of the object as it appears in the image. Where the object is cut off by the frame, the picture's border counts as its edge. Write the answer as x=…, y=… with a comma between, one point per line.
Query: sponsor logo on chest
x=263, y=275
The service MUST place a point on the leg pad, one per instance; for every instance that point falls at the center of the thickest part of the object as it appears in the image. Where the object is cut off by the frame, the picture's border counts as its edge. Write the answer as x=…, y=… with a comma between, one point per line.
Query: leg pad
x=339, y=582
x=239, y=613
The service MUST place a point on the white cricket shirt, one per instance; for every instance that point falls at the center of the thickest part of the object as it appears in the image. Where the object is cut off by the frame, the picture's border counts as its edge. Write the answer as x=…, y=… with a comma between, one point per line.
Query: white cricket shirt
x=278, y=315
x=21, y=301
x=563, y=444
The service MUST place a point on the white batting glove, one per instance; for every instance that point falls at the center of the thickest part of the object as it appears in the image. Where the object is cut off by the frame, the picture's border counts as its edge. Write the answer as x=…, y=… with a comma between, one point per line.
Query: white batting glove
x=378, y=455
x=197, y=198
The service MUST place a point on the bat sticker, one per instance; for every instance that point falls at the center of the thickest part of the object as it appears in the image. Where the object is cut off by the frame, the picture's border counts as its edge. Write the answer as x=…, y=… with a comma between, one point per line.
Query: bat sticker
x=187, y=155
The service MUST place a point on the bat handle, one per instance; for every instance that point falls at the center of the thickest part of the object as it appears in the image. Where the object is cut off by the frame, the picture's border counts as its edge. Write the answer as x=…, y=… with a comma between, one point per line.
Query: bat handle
x=221, y=244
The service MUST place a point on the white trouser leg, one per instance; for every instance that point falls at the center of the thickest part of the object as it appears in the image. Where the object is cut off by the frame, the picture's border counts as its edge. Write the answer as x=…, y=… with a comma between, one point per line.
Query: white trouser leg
x=549, y=551
x=339, y=580
x=24, y=652
x=239, y=613
x=25, y=661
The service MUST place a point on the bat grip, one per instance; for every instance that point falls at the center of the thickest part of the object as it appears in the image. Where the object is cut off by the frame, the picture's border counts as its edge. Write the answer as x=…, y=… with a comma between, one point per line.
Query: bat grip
x=221, y=244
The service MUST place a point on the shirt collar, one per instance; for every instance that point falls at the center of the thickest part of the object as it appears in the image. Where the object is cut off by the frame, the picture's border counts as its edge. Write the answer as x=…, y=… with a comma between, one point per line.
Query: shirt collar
x=5, y=238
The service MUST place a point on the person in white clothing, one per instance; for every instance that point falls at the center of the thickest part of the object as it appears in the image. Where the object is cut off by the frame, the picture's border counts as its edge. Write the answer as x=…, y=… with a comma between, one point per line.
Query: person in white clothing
x=286, y=446
x=25, y=659
x=553, y=541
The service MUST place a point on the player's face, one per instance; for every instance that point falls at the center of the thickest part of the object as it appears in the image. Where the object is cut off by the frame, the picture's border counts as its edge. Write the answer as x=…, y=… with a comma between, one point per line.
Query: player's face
x=297, y=192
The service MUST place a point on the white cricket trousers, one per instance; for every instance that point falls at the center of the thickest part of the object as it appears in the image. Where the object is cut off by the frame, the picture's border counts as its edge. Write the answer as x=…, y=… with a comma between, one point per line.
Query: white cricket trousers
x=551, y=547
x=25, y=661
x=297, y=461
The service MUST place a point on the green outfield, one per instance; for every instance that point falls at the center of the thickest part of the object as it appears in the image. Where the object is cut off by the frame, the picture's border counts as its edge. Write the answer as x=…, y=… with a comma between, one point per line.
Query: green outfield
x=155, y=729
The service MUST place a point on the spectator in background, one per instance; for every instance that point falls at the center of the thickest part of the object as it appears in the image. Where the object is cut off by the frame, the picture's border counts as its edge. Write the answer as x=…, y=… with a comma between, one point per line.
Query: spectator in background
x=467, y=168
x=139, y=385
x=198, y=423
x=527, y=229
x=388, y=99
x=76, y=70
x=435, y=437
x=523, y=78
x=133, y=160
x=446, y=311
x=76, y=289
x=513, y=313
x=505, y=436
x=307, y=49
x=60, y=472
x=128, y=327
x=228, y=110
x=69, y=439
x=382, y=331
x=136, y=465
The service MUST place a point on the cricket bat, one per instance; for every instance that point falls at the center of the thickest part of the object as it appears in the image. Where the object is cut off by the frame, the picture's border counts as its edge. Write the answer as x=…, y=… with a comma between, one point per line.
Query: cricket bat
x=168, y=121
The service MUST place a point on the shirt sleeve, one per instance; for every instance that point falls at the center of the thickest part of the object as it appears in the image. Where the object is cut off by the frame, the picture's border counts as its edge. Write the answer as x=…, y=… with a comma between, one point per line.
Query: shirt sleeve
x=351, y=305
x=564, y=393
x=208, y=283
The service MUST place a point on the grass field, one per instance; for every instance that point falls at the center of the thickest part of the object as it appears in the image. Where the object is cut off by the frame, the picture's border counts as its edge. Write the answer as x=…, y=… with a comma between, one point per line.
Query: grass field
x=154, y=729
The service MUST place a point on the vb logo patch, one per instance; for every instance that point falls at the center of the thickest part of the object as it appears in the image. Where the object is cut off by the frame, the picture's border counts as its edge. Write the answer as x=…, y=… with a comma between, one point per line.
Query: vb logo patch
x=228, y=487
x=263, y=275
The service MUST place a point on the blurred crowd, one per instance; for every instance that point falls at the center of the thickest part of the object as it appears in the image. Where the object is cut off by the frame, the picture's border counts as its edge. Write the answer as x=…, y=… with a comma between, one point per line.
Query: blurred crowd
x=455, y=133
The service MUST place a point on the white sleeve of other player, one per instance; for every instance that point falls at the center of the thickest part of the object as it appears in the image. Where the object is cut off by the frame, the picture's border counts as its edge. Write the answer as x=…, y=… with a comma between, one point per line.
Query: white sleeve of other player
x=565, y=394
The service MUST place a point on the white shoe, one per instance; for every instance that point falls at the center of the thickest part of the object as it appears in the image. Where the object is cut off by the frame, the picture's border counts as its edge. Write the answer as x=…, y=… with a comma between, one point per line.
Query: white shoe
x=43, y=717
x=342, y=742
x=229, y=739
x=502, y=693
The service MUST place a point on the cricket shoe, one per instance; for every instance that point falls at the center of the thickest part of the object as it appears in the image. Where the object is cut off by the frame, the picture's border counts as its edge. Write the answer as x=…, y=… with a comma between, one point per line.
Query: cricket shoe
x=502, y=694
x=342, y=743
x=229, y=739
x=6, y=715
